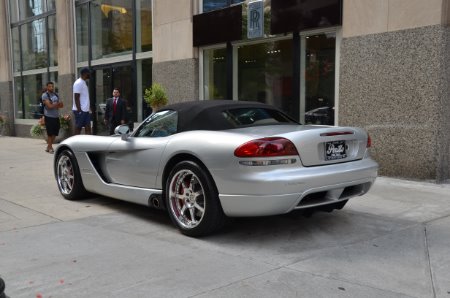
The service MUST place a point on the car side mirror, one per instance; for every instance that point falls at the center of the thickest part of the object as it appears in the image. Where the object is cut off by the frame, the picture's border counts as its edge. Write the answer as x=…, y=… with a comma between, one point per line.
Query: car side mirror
x=122, y=130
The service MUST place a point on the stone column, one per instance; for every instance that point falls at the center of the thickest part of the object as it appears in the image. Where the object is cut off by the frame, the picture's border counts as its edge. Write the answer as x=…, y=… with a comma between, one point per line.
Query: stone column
x=394, y=80
x=6, y=87
x=175, y=61
x=66, y=51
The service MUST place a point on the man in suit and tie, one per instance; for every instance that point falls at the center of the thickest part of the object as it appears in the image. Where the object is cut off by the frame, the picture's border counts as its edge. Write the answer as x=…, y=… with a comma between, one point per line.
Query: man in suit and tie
x=116, y=111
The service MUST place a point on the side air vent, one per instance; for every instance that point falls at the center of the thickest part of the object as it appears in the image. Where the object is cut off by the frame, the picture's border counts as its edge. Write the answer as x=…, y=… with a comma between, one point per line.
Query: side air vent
x=96, y=160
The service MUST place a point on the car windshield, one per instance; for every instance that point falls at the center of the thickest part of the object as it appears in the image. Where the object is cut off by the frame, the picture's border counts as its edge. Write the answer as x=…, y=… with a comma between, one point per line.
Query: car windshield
x=255, y=116
x=160, y=124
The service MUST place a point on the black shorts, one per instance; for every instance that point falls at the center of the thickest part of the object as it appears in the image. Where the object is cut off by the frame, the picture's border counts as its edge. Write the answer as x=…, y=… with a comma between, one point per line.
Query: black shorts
x=52, y=126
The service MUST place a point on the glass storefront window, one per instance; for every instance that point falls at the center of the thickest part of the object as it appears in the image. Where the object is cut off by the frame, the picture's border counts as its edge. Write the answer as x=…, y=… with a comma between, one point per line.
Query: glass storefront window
x=53, y=77
x=144, y=78
x=33, y=86
x=31, y=8
x=27, y=99
x=265, y=73
x=16, y=48
x=13, y=11
x=318, y=80
x=53, y=41
x=18, y=101
x=144, y=18
x=209, y=5
x=112, y=28
x=215, y=74
x=82, y=21
x=51, y=4
x=34, y=44
x=23, y=9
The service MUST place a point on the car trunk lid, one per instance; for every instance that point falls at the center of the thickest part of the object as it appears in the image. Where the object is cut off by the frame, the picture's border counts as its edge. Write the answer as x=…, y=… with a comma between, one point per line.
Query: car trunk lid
x=318, y=145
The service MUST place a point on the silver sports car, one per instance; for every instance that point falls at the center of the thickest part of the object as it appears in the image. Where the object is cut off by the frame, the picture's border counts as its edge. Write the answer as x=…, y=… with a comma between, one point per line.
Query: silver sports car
x=204, y=161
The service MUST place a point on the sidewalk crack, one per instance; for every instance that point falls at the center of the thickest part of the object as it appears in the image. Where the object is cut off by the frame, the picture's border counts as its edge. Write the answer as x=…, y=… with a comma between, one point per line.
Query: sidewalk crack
x=427, y=252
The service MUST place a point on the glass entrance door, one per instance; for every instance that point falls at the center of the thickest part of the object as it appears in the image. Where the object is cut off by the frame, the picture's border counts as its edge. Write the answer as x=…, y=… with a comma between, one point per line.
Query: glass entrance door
x=103, y=80
x=317, y=86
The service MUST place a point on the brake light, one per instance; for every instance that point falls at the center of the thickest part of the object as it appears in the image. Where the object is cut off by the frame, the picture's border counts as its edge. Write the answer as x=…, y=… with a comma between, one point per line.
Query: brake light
x=336, y=133
x=266, y=147
x=369, y=141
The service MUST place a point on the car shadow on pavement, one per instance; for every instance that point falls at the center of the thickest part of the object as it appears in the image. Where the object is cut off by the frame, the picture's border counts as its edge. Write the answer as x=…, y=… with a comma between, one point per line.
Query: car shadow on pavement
x=340, y=227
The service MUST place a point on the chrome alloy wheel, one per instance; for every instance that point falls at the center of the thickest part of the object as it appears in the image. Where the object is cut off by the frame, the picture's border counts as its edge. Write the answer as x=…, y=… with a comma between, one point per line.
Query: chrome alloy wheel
x=65, y=174
x=186, y=199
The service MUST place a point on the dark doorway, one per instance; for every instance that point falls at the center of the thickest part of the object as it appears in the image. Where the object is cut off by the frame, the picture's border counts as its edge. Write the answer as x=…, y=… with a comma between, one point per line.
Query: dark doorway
x=103, y=80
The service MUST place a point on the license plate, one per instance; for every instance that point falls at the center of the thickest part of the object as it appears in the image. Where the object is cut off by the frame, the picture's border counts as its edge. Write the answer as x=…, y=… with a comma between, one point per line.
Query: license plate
x=335, y=150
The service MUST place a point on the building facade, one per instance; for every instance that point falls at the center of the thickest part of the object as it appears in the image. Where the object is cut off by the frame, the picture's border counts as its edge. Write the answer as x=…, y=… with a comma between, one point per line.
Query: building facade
x=381, y=65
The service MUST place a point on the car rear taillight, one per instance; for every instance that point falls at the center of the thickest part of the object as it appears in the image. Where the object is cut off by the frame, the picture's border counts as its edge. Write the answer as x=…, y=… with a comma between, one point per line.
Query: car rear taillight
x=369, y=141
x=266, y=147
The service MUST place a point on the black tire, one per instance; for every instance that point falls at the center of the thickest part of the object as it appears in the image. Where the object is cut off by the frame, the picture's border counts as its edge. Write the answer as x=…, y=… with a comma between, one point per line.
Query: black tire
x=2, y=289
x=68, y=178
x=192, y=200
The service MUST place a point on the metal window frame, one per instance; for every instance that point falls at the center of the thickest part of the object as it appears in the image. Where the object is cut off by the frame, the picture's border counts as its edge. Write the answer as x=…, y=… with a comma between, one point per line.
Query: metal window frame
x=131, y=58
x=298, y=64
x=21, y=73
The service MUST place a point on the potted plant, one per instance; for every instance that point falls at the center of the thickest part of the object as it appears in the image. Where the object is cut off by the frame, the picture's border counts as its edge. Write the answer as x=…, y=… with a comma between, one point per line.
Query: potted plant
x=64, y=122
x=38, y=130
x=155, y=96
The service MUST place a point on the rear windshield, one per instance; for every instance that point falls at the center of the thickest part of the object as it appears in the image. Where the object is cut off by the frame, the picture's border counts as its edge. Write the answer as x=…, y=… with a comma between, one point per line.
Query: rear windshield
x=243, y=117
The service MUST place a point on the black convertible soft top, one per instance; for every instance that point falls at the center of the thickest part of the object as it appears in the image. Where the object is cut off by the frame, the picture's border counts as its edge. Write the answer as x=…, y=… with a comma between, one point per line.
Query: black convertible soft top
x=207, y=114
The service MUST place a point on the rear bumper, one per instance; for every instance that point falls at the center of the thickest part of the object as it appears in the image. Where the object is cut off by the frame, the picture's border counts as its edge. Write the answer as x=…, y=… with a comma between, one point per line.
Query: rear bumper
x=299, y=188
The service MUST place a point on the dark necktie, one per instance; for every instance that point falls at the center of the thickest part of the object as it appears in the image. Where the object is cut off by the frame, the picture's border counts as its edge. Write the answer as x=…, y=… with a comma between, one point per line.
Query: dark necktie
x=114, y=105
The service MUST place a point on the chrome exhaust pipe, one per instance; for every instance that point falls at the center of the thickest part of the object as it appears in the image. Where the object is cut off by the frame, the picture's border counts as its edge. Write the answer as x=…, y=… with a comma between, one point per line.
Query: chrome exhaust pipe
x=155, y=202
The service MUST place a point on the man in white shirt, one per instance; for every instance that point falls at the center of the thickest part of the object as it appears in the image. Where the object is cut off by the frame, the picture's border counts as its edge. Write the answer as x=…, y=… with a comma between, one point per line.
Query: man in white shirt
x=81, y=103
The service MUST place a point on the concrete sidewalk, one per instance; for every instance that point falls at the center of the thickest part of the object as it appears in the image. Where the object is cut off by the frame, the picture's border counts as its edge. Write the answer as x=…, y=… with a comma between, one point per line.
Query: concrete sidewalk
x=392, y=242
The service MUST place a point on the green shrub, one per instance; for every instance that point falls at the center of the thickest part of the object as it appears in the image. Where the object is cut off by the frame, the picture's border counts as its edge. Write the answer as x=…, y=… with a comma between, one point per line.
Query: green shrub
x=155, y=96
x=37, y=130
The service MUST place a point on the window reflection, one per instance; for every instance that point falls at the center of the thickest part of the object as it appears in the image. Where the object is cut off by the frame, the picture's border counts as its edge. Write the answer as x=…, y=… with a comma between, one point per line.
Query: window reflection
x=209, y=5
x=160, y=124
x=31, y=8
x=53, y=41
x=34, y=44
x=215, y=79
x=51, y=4
x=34, y=41
x=16, y=48
x=32, y=90
x=18, y=94
x=112, y=31
x=144, y=16
x=82, y=19
x=319, y=77
x=13, y=11
x=144, y=68
x=265, y=73
x=53, y=77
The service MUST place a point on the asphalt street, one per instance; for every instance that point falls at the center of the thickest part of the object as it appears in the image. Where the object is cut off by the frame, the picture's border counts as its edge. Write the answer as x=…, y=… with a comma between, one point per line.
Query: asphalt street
x=392, y=242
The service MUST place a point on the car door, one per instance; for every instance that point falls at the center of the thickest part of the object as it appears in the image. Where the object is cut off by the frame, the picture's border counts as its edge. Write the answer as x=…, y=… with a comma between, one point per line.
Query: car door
x=135, y=161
